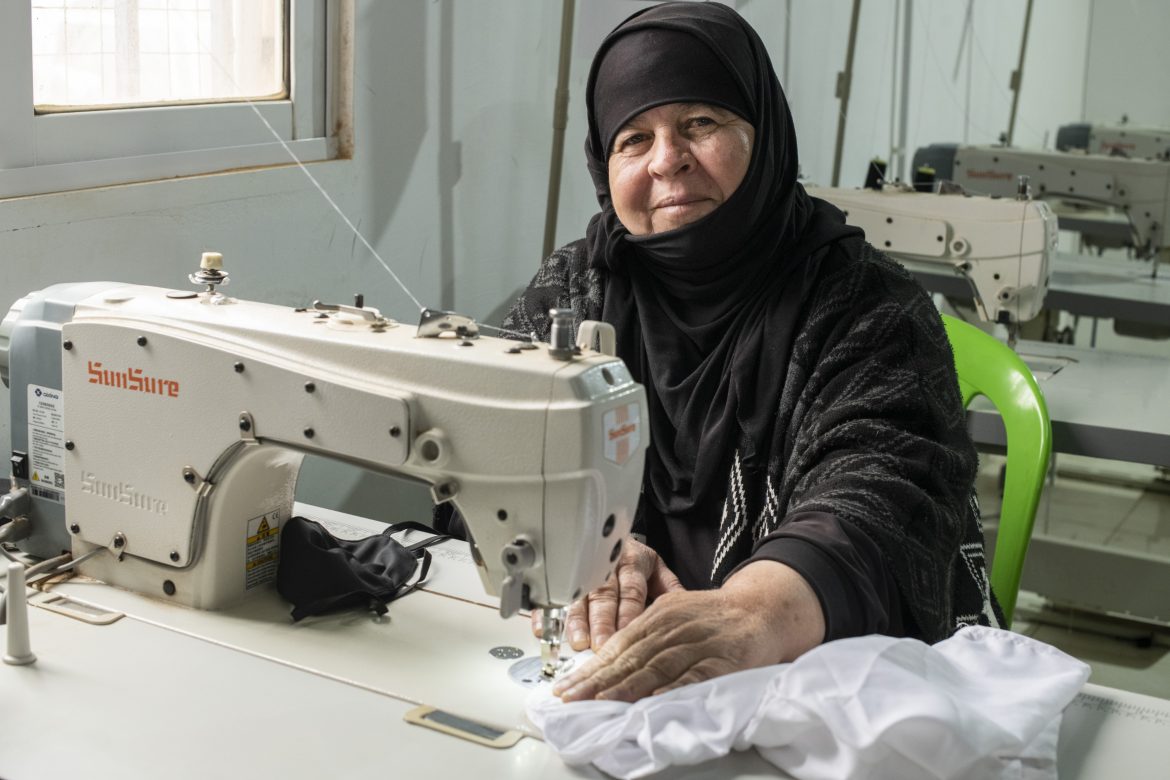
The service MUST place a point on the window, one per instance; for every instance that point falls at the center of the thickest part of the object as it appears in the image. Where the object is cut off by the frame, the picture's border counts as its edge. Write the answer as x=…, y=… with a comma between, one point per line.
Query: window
x=107, y=53
x=104, y=92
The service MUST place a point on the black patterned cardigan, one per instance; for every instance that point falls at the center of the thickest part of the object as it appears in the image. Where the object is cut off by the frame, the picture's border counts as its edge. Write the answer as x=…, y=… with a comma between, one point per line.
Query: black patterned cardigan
x=877, y=429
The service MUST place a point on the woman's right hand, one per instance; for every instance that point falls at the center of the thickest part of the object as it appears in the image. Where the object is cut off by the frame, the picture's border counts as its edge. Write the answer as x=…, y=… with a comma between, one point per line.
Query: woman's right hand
x=641, y=577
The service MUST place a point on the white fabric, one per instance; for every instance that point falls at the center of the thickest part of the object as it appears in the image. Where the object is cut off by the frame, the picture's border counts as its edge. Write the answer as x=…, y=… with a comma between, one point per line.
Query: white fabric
x=983, y=703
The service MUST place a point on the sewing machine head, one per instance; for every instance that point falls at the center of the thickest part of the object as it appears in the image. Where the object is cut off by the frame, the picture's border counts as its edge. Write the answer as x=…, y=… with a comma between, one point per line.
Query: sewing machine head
x=1111, y=201
x=1120, y=140
x=1003, y=247
x=165, y=428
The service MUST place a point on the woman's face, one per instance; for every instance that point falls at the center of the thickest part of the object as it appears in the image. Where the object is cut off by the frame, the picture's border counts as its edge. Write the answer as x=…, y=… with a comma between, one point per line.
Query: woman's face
x=675, y=164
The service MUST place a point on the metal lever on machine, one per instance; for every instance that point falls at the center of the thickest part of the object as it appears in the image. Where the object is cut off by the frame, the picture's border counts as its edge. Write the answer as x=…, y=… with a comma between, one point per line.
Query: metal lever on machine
x=433, y=323
x=371, y=317
x=517, y=556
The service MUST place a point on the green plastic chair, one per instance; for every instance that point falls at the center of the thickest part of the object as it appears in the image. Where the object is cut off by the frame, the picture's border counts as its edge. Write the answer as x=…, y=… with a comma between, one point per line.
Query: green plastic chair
x=986, y=366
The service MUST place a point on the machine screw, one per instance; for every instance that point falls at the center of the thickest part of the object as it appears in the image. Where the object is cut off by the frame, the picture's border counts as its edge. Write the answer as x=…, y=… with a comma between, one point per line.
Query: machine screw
x=310, y=433
x=189, y=476
x=175, y=556
x=245, y=424
x=310, y=387
x=239, y=367
x=119, y=540
x=395, y=431
x=168, y=587
x=74, y=528
x=142, y=341
x=67, y=345
x=69, y=445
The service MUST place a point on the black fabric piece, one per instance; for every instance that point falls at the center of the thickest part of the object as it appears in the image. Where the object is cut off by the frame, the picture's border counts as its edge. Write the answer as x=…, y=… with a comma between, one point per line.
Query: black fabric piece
x=446, y=519
x=704, y=314
x=845, y=569
x=319, y=573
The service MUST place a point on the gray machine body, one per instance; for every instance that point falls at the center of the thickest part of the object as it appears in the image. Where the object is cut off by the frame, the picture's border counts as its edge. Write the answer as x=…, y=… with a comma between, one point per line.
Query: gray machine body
x=30, y=355
x=940, y=157
x=1073, y=137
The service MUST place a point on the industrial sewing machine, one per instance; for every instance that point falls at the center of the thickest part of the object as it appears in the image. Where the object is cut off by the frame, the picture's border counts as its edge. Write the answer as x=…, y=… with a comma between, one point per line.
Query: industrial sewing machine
x=1002, y=247
x=1121, y=140
x=157, y=435
x=1111, y=201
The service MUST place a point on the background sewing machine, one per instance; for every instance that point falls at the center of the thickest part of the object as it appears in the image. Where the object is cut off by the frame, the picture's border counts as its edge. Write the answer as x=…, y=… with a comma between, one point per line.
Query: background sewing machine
x=1120, y=140
x=155, y=432
x=1001, y=248
x=1110, y=201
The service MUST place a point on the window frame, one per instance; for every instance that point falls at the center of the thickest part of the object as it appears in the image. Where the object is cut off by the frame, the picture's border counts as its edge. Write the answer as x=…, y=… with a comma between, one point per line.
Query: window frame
x=64, y=151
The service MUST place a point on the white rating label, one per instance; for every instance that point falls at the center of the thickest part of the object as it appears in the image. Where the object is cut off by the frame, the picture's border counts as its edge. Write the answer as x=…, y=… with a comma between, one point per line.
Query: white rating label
x=46, y=442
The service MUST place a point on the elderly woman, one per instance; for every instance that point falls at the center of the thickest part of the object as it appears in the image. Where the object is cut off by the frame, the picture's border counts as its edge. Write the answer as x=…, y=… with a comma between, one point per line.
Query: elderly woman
x=810, y=475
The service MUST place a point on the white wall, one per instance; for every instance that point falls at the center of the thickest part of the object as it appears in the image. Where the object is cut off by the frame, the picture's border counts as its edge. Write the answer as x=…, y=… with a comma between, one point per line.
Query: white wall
x=958, y=92
x=453, y=128
x=1129, y=62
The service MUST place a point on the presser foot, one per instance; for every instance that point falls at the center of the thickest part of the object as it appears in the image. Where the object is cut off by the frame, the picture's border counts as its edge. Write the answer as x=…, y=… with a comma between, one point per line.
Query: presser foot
x=552, y=626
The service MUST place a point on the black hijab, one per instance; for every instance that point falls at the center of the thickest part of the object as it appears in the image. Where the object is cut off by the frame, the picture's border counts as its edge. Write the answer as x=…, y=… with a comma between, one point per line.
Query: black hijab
x=705, y=314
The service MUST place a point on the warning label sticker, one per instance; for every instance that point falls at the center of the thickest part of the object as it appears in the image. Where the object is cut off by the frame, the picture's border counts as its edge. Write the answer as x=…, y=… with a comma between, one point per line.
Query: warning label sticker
x=262, y=551
x=46, y=442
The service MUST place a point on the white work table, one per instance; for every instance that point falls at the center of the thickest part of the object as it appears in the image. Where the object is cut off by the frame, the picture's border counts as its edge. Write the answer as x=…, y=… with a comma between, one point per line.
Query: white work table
x=1102, y=404
x=165, y=691
x=1086, y=286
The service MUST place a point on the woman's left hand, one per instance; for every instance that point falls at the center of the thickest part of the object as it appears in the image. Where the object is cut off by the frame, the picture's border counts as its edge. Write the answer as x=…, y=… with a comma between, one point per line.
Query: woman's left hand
x=766, y=613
